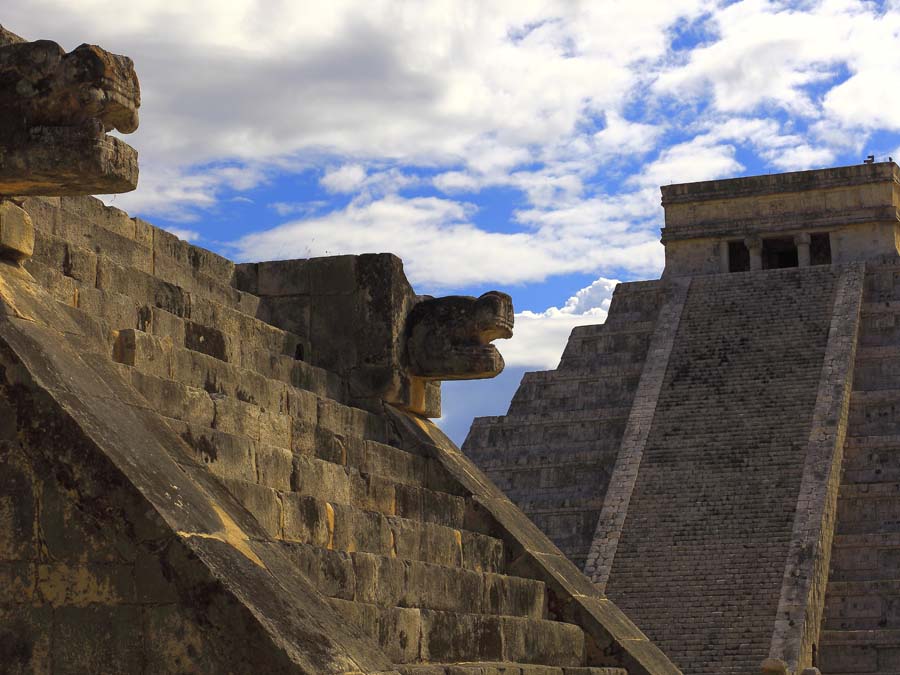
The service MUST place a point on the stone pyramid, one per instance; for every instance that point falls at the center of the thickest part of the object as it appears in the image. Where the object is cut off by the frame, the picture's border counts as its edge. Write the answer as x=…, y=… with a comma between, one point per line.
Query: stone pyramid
x=721, y=456
x=215, y=468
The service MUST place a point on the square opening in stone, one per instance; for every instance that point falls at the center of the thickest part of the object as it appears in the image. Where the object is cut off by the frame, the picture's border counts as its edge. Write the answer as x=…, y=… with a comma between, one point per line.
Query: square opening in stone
x=779, y=252
x=738, y=257
x=820, y=249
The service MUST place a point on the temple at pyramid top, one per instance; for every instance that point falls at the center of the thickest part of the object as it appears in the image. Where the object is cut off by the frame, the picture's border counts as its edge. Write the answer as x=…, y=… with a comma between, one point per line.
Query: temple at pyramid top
x=795, y=219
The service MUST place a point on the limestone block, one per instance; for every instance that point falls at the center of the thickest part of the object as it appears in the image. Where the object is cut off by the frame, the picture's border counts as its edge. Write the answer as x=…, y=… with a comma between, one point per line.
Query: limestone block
x=263, y=503
x=332, y=572
x=276, y=278
x=444, y=588
x=145, y=352
x=16, y=232
x=356, y=530
x=514, y=596
x=226, y=455
x=451, y=637
x=235, y=417
x=275, y=429
x=323, y=480
x=424, y=541
x=374, y=493
x=274, y=467
x=175, y=400
x=309, y=521
x=380, y=580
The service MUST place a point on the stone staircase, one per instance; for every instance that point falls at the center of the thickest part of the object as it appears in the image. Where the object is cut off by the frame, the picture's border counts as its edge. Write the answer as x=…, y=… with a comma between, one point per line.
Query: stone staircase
x=554, y=450
x=710, y=517
x=861, y=626
x=397, y=546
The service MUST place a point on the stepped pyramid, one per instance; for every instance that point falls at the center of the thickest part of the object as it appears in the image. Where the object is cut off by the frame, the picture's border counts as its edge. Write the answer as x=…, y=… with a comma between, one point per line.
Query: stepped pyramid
x=721, y=456
x=218, y=468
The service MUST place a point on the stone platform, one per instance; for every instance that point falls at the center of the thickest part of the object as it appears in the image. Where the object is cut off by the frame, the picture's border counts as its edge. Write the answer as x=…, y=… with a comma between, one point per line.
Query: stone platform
x=184, y=490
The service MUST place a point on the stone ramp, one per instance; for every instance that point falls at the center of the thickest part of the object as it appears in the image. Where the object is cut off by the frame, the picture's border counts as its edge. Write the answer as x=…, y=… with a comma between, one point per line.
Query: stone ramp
x=709, y=522
x=554, y=450
x=860, y=629
x=409, y=555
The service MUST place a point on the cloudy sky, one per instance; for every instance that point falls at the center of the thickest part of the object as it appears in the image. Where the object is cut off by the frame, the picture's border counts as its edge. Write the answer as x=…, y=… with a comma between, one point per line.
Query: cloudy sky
x=501, y=144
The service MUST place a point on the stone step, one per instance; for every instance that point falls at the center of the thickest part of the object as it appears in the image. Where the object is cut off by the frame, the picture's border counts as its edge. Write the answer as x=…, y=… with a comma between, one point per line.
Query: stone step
x=86, y=222
x=876, y=369
x=865, y=556
x=609, y=340
x=293, y=517
x=505, y=668
x=604, y=428
x=86, y=255
x=260, y=348
x=114, y=234
x=563, y=456
x=867, y=514
x=871, y=459
x=314, y=428
x=414, y=635
x=567, y=392
x=859, y=651
x=392, y=582
x=231, y=456
x=862, y=605
x=874, y=413
x=191, y=364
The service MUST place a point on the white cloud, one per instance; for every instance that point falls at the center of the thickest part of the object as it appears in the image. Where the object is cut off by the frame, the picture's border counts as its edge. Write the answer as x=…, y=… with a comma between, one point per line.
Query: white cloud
x=540, y=337
x=187, y=235
x=347, y=178
x=441, y=247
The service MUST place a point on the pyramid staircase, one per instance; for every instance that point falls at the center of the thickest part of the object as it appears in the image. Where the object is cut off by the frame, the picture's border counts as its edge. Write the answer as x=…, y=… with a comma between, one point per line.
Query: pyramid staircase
x=422, y=562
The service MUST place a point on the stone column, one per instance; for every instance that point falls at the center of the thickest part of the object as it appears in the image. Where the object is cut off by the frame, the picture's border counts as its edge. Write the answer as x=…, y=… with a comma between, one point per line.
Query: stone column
x=802, y=242
x=724, y=267
x=754, y=245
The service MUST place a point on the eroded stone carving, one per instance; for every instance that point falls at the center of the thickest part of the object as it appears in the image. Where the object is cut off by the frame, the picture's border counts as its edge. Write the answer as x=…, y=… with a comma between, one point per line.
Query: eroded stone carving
x=450, y=338
x=55, y=110
x=360, y=317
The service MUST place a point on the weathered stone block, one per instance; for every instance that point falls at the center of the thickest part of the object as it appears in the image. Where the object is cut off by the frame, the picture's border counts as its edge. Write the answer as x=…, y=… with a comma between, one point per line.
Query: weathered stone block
x=145, y=352
x=278, y=278
x=16, y=232
x=310, y=521
x=323, y=480
x=274, y=466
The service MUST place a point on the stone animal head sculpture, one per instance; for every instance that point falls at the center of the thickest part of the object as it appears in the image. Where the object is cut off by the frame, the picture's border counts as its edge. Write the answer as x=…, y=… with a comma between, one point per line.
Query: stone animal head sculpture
x=55, y=110
x=450, y=338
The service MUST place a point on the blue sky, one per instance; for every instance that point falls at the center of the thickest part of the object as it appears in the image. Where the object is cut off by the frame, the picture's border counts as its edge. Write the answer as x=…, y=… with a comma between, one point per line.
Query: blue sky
x=514, y=145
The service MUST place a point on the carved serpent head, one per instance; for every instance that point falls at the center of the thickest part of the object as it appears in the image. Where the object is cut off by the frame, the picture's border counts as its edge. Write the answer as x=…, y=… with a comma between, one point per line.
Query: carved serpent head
x=450, y=338
x=42, y=85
